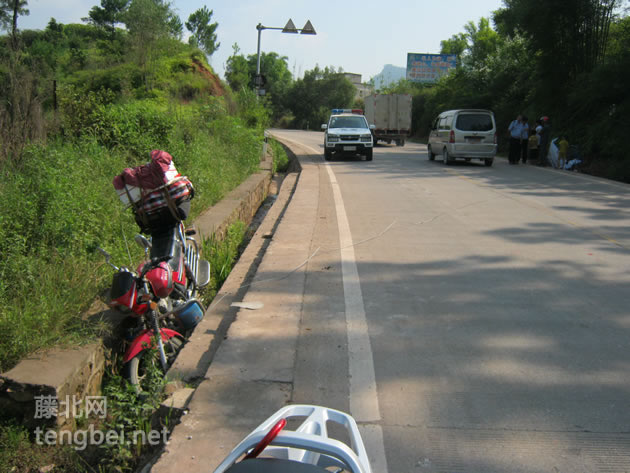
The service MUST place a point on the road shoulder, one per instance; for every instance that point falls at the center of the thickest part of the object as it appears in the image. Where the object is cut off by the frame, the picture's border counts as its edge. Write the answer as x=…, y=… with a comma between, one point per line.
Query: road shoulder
x=252, y=372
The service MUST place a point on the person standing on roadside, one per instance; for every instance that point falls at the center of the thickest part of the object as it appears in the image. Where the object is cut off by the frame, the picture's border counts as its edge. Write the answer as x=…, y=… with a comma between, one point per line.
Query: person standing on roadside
x=563, y=151
x=532, y=145
x=545, y=134
x=524, y=139
x=515, y=130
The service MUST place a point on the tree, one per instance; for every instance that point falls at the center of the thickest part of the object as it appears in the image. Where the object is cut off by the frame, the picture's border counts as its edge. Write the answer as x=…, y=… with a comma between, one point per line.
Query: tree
x=237, y=70
x=10, y=10
x=175, y=26
x=571, y=35
x=456, y=44
x=54, y=31
x=483, y=41
x=240, y=73
x=147, y=22
x=108, y=14
x=474, y=45
x=203, y=31
x=310, y=99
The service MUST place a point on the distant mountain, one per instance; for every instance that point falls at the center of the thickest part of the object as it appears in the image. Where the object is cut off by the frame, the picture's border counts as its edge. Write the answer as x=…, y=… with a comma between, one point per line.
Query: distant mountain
x=389, y=75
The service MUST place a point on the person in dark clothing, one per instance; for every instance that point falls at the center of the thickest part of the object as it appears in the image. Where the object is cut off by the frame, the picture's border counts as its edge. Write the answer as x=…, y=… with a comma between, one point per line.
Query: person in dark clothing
x=524, y=138
x=532, y=147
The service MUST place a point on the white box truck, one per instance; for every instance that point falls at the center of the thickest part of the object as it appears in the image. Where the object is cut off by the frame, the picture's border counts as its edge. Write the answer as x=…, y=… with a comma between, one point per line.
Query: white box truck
x=391, y=116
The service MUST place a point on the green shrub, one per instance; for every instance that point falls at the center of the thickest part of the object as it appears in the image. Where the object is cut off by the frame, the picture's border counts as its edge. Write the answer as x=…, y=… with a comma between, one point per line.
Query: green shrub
x=80, y=110
x=136, y=127
x=251, y=110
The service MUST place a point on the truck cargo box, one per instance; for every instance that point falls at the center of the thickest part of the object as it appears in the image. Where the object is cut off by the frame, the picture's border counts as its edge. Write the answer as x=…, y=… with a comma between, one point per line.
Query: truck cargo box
x=391, y=116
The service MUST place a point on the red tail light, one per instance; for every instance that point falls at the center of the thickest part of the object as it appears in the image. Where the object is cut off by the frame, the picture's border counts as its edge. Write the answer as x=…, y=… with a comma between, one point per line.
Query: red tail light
x=451, y=138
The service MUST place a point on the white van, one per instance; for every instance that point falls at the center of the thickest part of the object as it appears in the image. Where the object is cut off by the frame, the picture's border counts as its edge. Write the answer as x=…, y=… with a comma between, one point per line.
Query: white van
x=468, y=134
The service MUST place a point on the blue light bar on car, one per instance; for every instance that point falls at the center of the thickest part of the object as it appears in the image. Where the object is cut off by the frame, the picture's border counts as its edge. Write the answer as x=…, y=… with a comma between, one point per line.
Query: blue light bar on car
x=337, y=111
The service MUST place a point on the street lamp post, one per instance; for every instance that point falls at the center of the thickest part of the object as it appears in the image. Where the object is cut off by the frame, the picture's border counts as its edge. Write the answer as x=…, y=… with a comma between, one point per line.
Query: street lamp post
x=288, y=28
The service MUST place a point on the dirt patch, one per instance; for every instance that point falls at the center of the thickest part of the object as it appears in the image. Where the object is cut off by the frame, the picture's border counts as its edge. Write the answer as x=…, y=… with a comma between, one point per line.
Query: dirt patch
x=215, y=85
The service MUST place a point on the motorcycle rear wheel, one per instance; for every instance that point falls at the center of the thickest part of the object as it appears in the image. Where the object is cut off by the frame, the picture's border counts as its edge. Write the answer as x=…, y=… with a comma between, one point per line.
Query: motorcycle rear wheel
x=139, y=371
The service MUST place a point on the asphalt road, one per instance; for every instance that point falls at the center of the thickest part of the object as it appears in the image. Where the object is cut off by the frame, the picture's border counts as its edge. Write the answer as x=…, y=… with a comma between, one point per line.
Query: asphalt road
x=472, y=318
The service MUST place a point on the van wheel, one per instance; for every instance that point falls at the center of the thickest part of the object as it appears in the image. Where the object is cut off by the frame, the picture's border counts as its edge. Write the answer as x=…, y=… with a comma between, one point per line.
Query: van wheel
x=446, y=158
x=430, y=153
x=488, y=162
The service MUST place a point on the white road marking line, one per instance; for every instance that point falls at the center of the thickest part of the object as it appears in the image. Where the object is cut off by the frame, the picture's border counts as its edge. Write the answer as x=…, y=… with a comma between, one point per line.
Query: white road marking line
x=363, y=393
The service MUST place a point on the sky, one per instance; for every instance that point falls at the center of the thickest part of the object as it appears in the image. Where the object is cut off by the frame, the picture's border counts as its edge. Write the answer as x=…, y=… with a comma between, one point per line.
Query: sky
x=358, y=36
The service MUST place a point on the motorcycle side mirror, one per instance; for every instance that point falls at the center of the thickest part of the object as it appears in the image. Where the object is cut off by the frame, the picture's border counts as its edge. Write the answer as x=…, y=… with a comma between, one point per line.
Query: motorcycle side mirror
x=142, y=241
x=104, y=253
x=107, y=258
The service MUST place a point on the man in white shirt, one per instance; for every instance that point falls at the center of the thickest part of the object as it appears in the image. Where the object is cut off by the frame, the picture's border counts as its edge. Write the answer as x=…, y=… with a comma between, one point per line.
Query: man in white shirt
x=516, y=132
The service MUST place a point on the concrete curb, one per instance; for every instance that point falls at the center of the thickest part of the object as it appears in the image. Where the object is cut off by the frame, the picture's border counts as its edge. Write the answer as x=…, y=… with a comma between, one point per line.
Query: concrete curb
x=195, y=357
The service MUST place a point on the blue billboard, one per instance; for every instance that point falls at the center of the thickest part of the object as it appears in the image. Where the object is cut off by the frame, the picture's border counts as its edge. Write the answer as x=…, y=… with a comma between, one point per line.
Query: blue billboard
x=428, y=68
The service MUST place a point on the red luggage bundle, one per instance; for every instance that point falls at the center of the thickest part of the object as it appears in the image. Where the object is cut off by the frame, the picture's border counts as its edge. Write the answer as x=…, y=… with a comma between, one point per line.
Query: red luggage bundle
x=155, y=191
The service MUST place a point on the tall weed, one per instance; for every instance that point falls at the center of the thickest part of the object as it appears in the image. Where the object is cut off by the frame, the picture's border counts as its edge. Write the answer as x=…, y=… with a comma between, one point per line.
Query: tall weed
x=223, y=254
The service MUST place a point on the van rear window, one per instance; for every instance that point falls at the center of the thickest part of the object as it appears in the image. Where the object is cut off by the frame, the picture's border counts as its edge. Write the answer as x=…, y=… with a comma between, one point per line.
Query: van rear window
x=474, y=122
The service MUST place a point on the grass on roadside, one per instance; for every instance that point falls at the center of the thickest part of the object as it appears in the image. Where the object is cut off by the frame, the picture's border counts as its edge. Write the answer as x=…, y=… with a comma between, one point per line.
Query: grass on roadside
x=58, y=204
x=223, y=254
x=19, y=453
x=280, y=157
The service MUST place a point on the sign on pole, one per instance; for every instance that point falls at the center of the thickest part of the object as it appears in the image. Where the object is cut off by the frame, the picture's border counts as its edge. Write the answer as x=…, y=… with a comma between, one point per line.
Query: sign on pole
x=428, y=68
x=260, y=80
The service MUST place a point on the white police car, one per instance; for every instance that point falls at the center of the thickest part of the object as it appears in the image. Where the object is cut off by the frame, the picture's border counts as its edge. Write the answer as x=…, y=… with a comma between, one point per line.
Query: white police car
x=347, y=133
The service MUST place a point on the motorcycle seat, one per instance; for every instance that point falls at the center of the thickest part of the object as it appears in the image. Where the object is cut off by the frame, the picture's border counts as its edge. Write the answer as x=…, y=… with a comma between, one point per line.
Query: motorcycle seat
x=163, y=243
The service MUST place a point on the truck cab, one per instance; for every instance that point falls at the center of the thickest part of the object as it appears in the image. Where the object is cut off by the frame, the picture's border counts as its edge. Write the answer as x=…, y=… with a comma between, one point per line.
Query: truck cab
x=347, y=133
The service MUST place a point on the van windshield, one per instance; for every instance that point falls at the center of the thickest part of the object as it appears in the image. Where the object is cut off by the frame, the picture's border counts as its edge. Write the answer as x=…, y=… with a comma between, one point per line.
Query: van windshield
x=474, y=122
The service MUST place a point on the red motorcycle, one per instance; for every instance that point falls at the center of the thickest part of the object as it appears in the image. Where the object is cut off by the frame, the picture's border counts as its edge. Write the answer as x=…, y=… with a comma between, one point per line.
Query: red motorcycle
x=161, y=296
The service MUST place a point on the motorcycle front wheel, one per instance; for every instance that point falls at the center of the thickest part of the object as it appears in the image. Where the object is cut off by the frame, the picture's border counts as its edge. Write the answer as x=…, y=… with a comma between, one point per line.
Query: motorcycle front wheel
x=145, y=370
